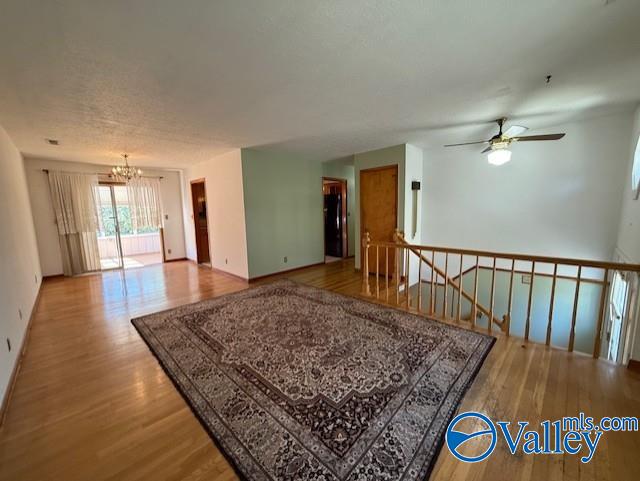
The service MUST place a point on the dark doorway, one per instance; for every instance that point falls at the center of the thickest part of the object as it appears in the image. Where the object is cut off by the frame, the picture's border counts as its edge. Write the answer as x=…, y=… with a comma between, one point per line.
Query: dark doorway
x=335, y=218
x=199, y=202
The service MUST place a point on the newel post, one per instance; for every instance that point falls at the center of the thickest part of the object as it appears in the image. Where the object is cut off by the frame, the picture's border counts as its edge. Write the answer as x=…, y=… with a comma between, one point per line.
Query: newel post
x=397, y=235
x=366, y=240
x=506, y=324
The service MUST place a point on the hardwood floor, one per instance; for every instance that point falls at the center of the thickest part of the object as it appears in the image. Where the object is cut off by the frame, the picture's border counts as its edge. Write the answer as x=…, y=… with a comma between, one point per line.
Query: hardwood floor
x=92, y=403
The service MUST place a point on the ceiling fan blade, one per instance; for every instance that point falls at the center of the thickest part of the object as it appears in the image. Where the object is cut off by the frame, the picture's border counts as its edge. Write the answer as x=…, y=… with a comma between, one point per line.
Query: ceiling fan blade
x=467, y=143
x=486, y=150
x=539, y=137
x=515, y=130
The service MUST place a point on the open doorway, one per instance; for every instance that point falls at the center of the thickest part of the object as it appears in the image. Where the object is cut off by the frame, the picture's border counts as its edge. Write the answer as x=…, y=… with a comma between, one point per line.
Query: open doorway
x=199, y=203
x=336, y=237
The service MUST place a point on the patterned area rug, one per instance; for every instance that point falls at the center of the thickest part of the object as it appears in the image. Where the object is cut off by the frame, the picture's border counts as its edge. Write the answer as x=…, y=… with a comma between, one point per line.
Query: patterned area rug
x=299, y=383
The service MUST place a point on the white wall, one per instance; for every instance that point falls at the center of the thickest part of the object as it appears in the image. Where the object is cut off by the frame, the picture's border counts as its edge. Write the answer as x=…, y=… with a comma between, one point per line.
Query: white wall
x=44, y=217
x=225, y=212
x=559, y=198
x=413, y=200
x=413, y=172
x=629, y=229
x=20, y=274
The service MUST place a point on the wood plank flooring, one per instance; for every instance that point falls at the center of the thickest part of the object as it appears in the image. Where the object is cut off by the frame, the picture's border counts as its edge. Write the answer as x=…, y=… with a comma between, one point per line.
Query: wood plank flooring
x=92, y=403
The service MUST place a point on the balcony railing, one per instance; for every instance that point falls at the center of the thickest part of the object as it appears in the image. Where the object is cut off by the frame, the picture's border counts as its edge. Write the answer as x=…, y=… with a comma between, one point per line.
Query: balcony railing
x=132, y=244
x=558, y=301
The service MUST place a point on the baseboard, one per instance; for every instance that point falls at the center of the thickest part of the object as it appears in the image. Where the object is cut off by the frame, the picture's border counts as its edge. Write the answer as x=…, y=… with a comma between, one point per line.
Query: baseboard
x=251, y=280
x=54, y=276
x=288, y=271
x=16, y=368
x=229, y=274
x=176, y=260
x=634, y=365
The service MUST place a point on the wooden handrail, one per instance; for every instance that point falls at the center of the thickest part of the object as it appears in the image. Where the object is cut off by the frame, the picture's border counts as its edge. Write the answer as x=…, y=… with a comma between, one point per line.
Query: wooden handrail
x=402, y=247
x=613, y=266
x=450, y=281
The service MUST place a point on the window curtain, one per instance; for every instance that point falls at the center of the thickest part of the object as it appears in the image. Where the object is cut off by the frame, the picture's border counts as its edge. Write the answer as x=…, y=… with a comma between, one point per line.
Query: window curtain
x=144, y=203
x=74, y=203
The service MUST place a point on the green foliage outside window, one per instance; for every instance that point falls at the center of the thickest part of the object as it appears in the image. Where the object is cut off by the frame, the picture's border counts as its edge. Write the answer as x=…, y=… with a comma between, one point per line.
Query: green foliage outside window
x=124, y=216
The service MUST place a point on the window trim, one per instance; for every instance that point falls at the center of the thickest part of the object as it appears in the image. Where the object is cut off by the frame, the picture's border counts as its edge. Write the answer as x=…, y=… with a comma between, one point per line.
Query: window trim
x=635, y=171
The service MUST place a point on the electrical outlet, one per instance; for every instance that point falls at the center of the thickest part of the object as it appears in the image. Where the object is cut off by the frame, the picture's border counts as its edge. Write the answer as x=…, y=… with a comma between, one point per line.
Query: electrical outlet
x=9, y=344
x=20, y=313
x=285, y=259
x=526, y=278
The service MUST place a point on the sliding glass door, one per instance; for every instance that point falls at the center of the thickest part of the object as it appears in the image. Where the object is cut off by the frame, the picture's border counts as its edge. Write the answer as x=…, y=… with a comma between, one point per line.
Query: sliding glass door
x=123, y=244
x=109, y=245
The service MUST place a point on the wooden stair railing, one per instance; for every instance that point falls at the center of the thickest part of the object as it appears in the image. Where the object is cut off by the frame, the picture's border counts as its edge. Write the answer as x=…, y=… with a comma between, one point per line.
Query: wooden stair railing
x=476, y=306
x=402, y=251
x=401, y=276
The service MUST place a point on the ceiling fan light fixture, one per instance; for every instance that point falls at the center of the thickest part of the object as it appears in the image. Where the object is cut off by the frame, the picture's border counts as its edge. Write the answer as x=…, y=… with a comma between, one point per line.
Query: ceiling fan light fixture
x=499, y=156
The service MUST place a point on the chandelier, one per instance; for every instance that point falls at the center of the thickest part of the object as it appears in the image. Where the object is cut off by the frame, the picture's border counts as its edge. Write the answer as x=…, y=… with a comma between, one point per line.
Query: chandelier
x=126, y=172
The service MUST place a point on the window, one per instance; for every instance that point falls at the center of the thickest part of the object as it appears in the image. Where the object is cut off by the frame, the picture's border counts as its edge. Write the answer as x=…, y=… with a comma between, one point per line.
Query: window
x=635, y=173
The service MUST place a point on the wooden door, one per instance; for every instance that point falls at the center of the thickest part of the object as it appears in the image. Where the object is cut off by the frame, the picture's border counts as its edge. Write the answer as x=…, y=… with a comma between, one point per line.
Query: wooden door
x=379, y=211
x=199, y=201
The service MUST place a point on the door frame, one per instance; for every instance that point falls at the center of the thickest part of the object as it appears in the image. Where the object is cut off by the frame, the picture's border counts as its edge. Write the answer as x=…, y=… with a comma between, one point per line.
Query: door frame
x=112, y=184
x=627, y=306
x=193, y=216
x=373, y=169
x=343, y=215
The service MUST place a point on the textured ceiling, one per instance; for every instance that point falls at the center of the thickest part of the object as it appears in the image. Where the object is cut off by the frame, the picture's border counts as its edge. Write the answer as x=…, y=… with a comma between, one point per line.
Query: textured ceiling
x=174, y=83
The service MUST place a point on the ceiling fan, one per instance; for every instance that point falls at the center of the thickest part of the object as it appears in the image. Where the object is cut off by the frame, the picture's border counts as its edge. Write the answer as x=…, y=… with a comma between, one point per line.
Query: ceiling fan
x=498, y=149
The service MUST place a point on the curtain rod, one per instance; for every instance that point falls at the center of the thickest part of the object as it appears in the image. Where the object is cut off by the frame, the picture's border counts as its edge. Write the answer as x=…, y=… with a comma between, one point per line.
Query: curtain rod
x=107, y=174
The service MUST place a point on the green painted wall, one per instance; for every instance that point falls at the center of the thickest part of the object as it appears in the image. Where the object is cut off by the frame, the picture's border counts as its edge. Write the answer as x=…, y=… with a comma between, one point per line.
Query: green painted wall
x=283, y=211
x=588, y=303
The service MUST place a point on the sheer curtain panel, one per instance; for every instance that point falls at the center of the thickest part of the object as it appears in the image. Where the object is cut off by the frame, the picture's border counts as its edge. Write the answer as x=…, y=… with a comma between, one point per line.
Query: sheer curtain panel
x=73, y=197
x=144, y=202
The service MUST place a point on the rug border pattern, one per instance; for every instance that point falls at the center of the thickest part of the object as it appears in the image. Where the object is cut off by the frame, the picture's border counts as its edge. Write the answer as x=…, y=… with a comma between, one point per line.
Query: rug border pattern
x=194, y=399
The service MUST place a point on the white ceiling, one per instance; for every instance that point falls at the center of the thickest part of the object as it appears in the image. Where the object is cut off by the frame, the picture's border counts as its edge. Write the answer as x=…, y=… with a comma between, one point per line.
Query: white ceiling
x=174, y=83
